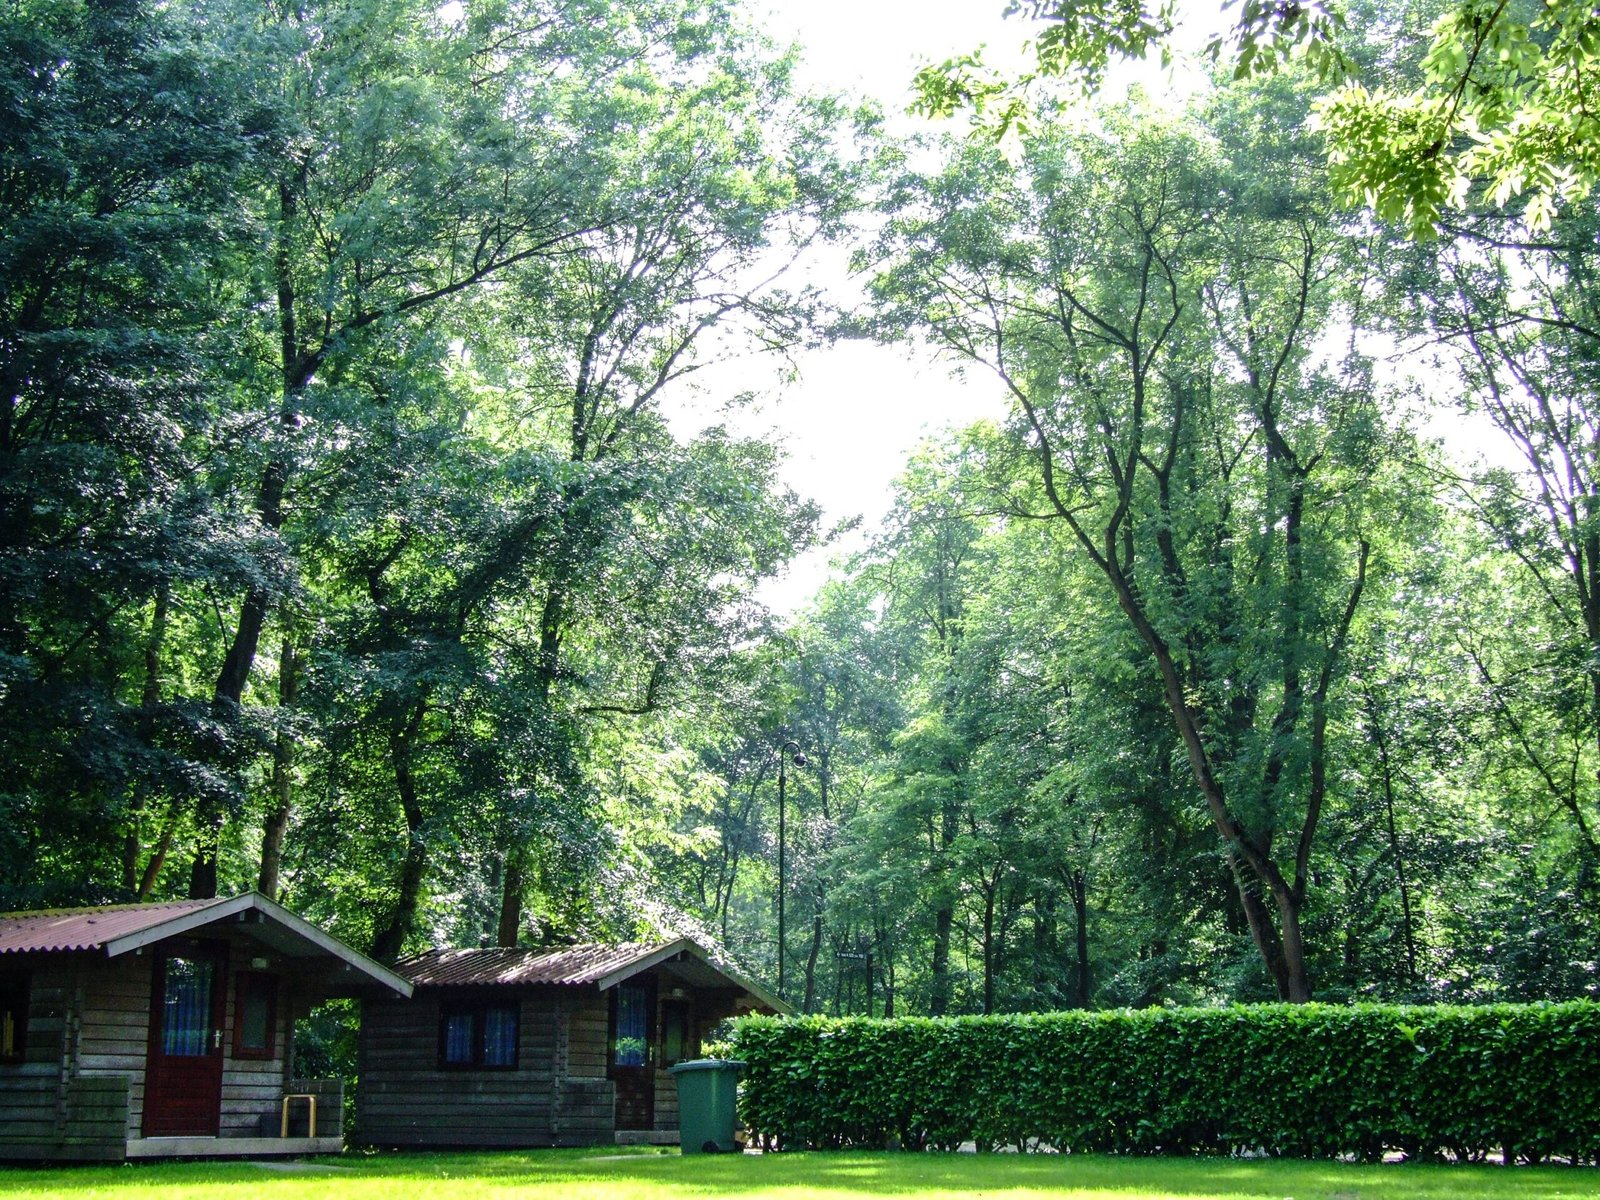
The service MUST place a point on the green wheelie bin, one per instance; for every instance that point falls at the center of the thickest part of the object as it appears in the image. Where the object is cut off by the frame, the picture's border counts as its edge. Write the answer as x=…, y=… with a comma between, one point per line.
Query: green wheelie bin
x=707, y=1104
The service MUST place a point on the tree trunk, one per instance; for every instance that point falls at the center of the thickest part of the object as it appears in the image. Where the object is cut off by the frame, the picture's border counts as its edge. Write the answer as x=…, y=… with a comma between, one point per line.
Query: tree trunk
x=886, y=957
x=1297, y=982
x=988, y=948
x=552, y=621
x=811, y=955
x=939, y=967
x=512, y=887
x=1381, y=741
x=158, y=856
x=390, y=938
x=1258, y=918
x=277, y=819
x=151, y=697
x=1080, y=916
x=228, y=695
x=944, y=915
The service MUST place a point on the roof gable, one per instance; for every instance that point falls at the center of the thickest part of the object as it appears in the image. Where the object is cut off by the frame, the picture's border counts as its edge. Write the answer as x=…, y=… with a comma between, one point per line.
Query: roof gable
x=117, y=929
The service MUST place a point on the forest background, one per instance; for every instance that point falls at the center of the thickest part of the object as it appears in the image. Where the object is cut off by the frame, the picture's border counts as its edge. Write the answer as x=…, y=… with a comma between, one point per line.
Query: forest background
x=353, y=548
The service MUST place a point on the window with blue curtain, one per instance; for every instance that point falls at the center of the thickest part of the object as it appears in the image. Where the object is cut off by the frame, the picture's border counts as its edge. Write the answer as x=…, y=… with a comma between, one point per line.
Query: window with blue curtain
x=631, y=1048
x=186, y=1007
x=473, y=1034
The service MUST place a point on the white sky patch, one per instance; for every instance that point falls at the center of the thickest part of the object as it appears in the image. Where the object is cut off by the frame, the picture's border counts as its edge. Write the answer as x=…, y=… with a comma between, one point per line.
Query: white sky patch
x=856, y=409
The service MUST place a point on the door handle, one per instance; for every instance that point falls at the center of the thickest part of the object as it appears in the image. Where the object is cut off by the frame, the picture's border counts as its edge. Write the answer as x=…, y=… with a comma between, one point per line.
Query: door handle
x=216, y=1039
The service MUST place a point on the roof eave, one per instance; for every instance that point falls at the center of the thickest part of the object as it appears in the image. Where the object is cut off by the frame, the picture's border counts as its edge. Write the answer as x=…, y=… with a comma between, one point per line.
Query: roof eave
x=671, y=950
x=179, y=923
x=655, y=958
x=254, y=901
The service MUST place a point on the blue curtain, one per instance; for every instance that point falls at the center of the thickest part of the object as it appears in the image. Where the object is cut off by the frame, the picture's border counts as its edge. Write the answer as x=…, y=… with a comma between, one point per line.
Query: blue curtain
x=633, y=1027
x=458, y=1037
x=186, y=1028
x=500, y=1036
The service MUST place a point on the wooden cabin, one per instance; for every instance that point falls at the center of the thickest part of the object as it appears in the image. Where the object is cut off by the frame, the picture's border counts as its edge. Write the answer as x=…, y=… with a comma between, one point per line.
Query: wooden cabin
x=559, y=1047
x=165, y=1030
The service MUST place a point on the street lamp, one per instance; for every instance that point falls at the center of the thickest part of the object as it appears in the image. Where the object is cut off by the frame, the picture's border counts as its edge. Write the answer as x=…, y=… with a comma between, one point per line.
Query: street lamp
x=783, y=762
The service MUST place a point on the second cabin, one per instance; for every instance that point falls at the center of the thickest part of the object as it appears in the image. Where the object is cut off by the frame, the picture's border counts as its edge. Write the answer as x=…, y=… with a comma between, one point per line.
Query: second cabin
x=555, y=1047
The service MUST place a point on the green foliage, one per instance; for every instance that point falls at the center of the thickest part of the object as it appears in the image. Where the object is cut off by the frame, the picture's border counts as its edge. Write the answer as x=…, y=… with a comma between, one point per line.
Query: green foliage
x=1308, y=1081
x=1501, y=112
x=125, y=139
x=338, y=345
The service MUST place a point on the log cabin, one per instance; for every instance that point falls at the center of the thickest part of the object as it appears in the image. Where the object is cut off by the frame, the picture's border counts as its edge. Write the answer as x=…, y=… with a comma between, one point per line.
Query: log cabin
x=512, y=1047
x=166, y=1030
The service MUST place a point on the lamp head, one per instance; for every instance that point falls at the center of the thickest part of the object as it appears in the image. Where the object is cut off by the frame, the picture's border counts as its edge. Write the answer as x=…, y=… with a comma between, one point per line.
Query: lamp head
x=799, y=759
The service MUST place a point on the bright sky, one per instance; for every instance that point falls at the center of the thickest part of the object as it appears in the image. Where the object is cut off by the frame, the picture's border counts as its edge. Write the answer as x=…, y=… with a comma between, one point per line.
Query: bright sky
x=858, y=409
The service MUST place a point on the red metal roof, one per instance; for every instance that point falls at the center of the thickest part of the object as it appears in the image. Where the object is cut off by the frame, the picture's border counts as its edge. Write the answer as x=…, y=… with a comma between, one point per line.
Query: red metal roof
x=87, y=928
x=601, y=965
x=572, y=965
x=123, y=928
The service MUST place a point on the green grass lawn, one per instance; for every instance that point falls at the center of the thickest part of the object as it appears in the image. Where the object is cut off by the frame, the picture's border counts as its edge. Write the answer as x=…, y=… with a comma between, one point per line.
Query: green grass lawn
x=593, y=1175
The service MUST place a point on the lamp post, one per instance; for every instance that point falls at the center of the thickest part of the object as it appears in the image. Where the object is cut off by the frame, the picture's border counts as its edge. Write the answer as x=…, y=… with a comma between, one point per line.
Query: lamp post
x=783, y=762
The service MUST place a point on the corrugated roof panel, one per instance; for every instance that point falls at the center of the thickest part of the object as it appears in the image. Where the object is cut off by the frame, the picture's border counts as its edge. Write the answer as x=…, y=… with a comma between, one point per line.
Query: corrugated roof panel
x=86, y=928
x=570, y=965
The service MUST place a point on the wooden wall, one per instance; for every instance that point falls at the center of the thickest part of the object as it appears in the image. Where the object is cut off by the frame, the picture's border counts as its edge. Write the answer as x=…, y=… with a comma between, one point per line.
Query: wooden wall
x=46, y=1109
x=666, y=1101
x=112, y=1026
x=586, y=1114
x=559, y=1095
x=252, y=1088
x=114, y=1037
x=330, y=1108
x=405, y=1098
x=706, y=1009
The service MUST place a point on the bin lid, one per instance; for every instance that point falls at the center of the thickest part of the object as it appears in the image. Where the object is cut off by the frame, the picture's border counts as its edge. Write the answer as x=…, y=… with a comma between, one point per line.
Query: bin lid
x=707, y=1064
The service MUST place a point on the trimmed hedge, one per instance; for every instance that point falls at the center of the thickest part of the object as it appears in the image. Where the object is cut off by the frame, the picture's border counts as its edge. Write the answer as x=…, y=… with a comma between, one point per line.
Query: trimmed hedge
x=1310, y=1081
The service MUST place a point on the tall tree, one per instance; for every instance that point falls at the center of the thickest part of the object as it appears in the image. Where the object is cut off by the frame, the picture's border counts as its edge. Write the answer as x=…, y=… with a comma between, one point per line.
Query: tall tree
x=404, y=173
x=1158, y=348
x=123, y=142
x=1516, y=315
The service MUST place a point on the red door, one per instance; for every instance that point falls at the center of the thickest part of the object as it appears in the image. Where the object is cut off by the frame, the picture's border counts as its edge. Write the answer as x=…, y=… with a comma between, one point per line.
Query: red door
x=183, y=1082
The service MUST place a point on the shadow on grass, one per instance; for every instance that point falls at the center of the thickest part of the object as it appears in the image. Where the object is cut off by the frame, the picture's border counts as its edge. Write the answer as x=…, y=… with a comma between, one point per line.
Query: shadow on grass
x=667, y=1177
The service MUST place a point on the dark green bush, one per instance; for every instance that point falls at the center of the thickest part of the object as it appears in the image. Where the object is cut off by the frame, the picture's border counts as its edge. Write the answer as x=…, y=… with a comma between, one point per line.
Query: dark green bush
x=1311, y=1081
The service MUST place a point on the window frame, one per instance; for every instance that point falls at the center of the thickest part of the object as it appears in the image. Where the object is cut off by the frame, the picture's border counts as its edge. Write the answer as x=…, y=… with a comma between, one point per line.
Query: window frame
x=478, y=1011
x=269, y=984
x=16, y=994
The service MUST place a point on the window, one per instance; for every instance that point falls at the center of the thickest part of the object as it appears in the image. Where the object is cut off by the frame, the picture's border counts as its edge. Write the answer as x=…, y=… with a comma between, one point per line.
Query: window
x=13, y=1018
x=255, y=1014
x=676, y=1042
x=631, y=1007
x=187, y=990
x=478, y=1035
